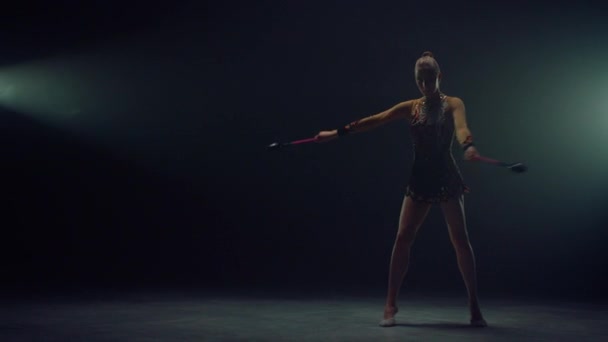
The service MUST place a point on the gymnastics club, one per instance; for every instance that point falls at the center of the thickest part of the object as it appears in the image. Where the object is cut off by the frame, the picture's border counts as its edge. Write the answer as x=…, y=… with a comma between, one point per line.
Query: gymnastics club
x=515, y=167
x=277, y=145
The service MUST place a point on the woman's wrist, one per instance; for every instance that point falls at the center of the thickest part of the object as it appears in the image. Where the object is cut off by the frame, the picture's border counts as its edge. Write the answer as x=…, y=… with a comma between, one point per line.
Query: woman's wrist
x=342, y=131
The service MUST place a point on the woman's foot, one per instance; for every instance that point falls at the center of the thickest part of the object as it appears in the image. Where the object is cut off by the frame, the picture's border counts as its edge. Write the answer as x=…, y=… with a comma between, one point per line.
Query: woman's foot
x=389, y=316
x=476, y=316
x=479, y=322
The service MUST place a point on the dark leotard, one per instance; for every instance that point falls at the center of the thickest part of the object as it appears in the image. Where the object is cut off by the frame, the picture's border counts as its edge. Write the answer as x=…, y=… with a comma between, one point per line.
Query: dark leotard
x=435, y=176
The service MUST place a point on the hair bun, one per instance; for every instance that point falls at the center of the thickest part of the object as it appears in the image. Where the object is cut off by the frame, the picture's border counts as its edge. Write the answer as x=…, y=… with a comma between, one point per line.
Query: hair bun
x=428, y=54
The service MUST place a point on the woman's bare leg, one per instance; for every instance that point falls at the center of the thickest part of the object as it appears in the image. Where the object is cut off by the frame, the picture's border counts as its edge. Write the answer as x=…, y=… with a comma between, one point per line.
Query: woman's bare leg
x=412, y=216
x=453, y=211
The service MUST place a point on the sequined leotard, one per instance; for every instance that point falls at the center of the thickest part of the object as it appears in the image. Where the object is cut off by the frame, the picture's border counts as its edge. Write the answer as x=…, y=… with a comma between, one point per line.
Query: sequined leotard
x=435, y=176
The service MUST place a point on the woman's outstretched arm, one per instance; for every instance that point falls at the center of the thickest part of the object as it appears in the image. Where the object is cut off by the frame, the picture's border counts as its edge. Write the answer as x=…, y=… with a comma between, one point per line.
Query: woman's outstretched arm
x=399, y=111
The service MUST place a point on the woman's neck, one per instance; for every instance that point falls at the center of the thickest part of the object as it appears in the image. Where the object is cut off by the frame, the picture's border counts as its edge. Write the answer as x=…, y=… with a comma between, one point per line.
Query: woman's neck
x=434, y=98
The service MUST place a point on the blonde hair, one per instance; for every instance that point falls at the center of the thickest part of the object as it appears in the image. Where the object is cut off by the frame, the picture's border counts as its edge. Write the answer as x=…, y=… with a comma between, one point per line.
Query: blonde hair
x=427, y=61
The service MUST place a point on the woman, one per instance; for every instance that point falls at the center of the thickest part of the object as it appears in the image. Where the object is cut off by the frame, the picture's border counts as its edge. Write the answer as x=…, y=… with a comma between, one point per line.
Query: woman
x=433, y=119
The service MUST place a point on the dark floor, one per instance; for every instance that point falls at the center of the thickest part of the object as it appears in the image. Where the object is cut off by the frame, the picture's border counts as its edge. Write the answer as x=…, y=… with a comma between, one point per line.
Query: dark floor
x=174, y=316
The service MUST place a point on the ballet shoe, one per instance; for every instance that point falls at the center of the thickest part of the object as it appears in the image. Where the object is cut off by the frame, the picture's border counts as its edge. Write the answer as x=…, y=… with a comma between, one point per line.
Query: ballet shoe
x=389, y=322
x=479, y=323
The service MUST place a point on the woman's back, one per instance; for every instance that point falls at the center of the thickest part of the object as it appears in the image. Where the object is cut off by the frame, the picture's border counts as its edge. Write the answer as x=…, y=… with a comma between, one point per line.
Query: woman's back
x=435, y=175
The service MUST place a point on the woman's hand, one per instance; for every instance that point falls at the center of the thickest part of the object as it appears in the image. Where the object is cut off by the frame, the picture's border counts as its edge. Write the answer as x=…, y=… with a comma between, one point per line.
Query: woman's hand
x=325, y=136
x=471, y=154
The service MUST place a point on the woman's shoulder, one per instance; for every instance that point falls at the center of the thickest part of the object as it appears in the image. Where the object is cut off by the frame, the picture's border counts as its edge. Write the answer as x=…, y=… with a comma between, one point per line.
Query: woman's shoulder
x=453, y=99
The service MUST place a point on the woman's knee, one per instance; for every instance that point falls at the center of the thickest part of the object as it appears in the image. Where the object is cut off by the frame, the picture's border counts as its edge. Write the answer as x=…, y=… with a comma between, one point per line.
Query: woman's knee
x=406, y=236
x=461, y=242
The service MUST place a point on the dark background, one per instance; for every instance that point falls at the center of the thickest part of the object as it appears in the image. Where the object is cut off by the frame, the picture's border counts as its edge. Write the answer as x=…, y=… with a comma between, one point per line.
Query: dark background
x=134, y=133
